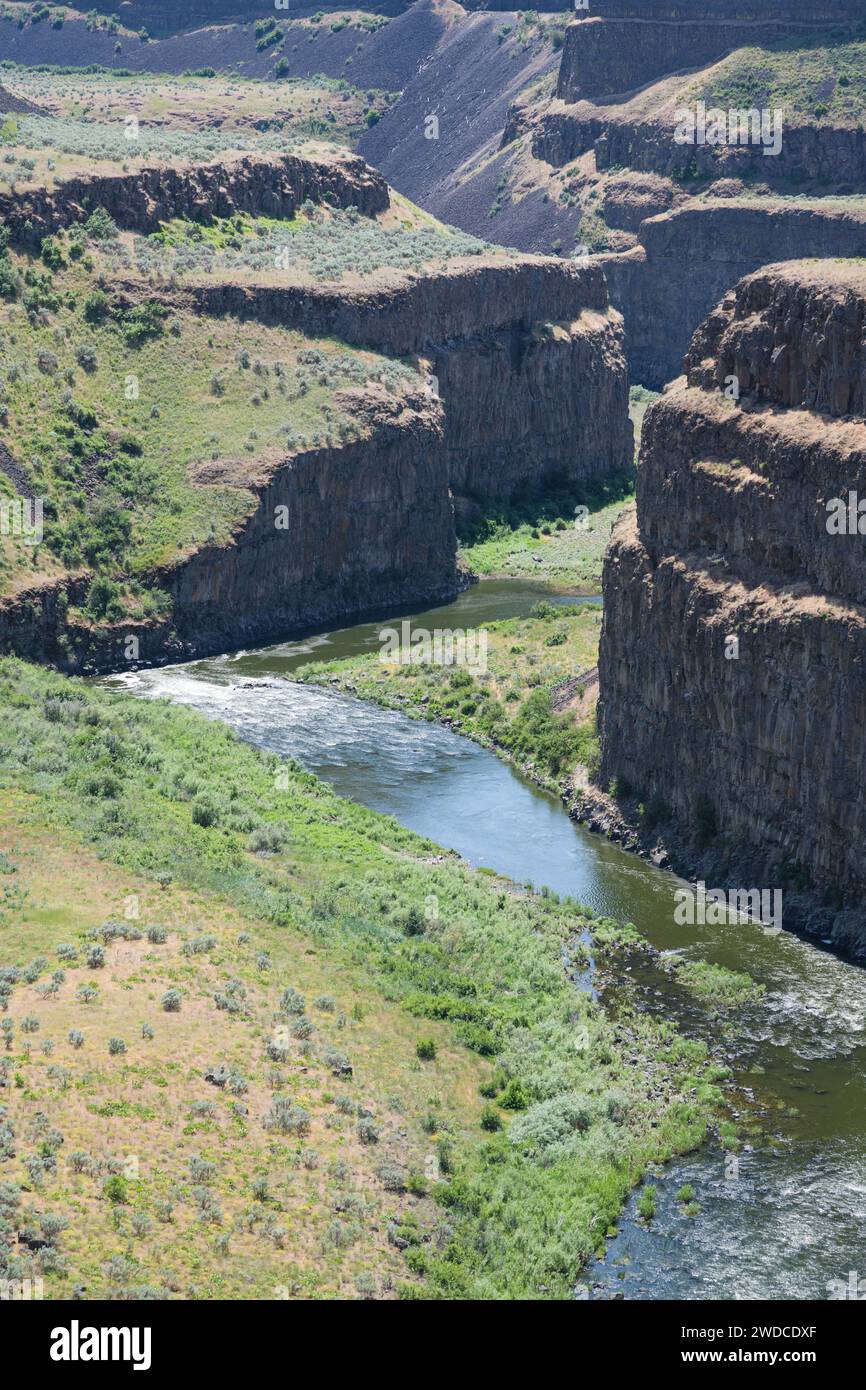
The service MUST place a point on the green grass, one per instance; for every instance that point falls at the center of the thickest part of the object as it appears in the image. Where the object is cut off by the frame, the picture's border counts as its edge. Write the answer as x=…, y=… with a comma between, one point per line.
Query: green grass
x=165, y=796
x=809, y=79
x=716, y=986
x=112, y=407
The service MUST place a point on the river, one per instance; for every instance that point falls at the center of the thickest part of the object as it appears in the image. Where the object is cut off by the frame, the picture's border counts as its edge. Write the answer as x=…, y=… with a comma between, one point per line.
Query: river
x=785, y=1218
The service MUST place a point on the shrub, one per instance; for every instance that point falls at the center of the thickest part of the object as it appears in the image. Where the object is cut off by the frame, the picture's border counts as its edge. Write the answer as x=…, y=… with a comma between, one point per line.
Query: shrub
x=490, y=1120
x=514, y=1096
x=95, y=958
x=116, y=1046
x=291, y=1002
x=425, y=1048
x=171, y=1001
x=367, y=1131
x=76, y=1038
x=287, y=1118
x=96, y=307
x=116, y=1189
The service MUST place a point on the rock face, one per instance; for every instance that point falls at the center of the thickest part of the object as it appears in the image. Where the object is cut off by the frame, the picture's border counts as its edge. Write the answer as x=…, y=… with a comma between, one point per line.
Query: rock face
x=271, y=185
x=527, y=383
x=526, y=352
x=733, y=648
x=689, y=257
x=334, y=534
x=366, y=526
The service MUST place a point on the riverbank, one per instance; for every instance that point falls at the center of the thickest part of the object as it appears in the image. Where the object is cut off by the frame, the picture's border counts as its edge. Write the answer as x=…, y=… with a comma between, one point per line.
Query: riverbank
x=529, y=703
x=497, y=1176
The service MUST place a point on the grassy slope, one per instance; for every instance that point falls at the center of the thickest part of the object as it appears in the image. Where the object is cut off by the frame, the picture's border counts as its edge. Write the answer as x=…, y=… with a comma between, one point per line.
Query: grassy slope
x=134, y=456
x=351, y=903
x=810, y=79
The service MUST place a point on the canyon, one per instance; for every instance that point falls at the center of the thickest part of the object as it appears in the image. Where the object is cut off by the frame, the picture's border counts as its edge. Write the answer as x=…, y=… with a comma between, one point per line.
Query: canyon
x=520, y=381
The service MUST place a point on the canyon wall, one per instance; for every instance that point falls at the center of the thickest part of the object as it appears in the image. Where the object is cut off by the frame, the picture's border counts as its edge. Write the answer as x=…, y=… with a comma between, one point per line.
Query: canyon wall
x=620, y=48
x=526, y=351
x=833, y=156
x=333, y=534
x=733, y=646
x=687, y=258
x=370, y=526
x=526, y=383
x=160, y=18
x=609, y=57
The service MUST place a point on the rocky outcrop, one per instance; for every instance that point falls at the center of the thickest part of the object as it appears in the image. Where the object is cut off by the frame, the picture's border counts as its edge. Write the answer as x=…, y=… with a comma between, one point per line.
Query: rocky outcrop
x=526, y=382
x=333, y=534
x=689, y=257
x=336, y=534
x=265, y=184
x=733, y=646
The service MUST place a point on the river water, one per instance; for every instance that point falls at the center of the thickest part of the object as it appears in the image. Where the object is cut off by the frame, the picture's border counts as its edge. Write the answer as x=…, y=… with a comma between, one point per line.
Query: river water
x=783, y=1219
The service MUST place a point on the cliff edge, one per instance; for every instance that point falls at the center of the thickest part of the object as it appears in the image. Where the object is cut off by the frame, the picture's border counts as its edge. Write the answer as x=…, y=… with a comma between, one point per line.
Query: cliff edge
x=733, y=647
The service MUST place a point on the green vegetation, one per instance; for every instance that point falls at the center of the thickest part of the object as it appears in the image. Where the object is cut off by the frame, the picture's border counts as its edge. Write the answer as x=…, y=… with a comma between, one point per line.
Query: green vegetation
x=716, y=986
x=320, y=244
x=559, y=537
x=115, y=407
x=810, y=78
x=353, y=908
x=526, y=705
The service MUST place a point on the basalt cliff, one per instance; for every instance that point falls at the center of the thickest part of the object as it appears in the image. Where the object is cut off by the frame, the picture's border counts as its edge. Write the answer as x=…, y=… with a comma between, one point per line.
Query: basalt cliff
x=733, y=648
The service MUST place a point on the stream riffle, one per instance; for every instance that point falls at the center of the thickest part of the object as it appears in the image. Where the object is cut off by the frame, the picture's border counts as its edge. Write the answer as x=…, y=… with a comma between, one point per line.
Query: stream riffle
x=785, y=1218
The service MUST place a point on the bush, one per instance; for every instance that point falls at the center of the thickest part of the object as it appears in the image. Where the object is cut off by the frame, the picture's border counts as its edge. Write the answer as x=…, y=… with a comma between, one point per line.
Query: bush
x=95, y=958
x=116, y=1046
x=291, y=1002
x=425, y=1048
x=287, y=1118
x=204, y=812
x=116, y=1190
x=100, y=226
x=76, y=1038
x=367, y=1132
x=491, y=1120
x=646, y=1203
x=96, y=307
x=171, y=1001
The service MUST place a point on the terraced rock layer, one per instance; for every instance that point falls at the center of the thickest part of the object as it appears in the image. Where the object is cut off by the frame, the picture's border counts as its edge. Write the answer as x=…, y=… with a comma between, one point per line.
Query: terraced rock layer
x=530, y=385
x=755, y=746
x=526, y=352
